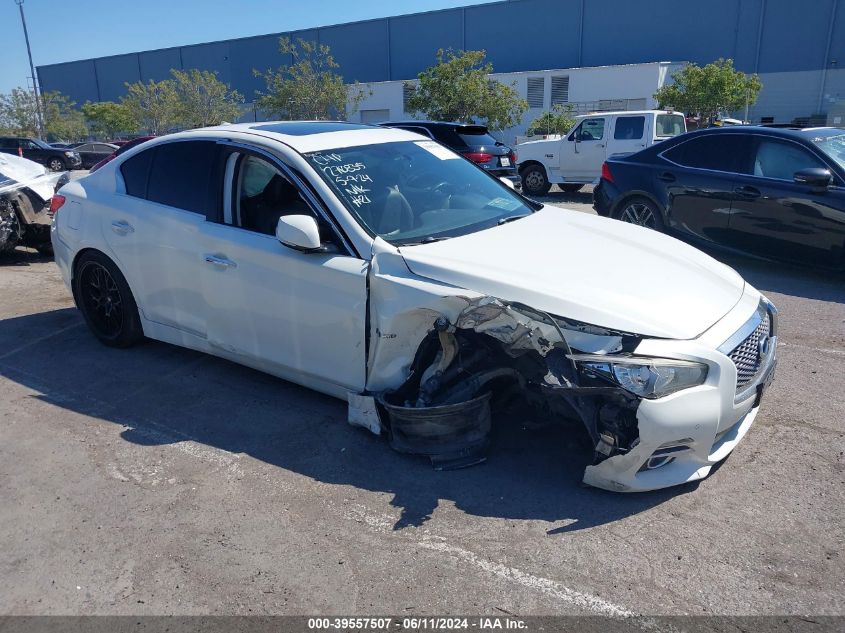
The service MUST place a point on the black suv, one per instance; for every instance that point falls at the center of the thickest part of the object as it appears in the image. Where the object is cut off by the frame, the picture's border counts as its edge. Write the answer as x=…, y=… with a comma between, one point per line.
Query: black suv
x=55, y=158
x=471, y=141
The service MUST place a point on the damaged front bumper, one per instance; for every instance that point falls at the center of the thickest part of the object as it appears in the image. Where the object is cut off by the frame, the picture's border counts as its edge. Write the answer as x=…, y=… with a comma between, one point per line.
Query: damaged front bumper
x=472, y=345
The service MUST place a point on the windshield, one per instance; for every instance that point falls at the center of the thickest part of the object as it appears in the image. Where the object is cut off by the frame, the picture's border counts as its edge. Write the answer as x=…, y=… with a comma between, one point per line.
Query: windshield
x=413, y=192
x=833, y=146
x=669, y=125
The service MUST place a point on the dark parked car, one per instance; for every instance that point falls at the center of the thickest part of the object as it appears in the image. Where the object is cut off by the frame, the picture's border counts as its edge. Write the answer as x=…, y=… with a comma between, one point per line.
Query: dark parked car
x=777, y=193
x=472, y=141
x=55, y=158
x=93, y=153
x=119, y=150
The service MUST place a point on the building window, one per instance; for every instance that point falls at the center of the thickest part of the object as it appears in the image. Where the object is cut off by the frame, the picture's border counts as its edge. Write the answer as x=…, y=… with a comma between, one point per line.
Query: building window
x=536, y=91
x=560, y=90
x=408, y=89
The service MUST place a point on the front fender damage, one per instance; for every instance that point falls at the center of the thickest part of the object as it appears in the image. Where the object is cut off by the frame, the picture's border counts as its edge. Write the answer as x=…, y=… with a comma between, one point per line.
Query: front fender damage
x=438, y=366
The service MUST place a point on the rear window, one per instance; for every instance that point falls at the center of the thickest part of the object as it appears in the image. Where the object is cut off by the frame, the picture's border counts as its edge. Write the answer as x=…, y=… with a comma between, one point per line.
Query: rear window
x=669, y=125
x=180, y=175
x=629, y=127
x=135, y=171
x=719, y=152
x=475, y=136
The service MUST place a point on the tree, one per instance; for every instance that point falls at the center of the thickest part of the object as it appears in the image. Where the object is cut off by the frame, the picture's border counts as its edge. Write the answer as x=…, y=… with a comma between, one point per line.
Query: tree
x=107, y=119
x=19, y=115
x=62, y=120
x=457, y=88
x=203, y=100
x=153, y=105
x=709, y=90
x=558, y=120
x=308, y=88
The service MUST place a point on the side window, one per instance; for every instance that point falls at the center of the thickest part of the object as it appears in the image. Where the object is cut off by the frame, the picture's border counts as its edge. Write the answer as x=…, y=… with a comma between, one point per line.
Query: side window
x=629, y=127
x=102, y=148
x=27, y=144
x=781, y=159
x=180, y=175
x=262, y=194
x=591, y=130
x=84, y=148
x=135, y=172
x=718, y=152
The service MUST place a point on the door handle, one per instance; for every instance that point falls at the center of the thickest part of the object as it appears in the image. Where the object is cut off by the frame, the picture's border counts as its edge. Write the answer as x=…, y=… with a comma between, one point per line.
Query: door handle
x=122, y=227
x=220, y=261
x=748, y=192
x=666, y=177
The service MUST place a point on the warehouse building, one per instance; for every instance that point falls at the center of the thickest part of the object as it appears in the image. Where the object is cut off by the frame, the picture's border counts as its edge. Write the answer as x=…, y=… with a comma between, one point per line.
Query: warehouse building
x=795, y=47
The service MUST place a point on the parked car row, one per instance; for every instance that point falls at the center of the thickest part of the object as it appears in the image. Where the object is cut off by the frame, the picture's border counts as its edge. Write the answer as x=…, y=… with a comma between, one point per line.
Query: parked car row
x=378, y=266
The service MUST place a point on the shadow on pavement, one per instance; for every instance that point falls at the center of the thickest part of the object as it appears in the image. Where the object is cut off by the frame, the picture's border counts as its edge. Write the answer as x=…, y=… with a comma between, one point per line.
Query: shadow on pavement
x=164, y=394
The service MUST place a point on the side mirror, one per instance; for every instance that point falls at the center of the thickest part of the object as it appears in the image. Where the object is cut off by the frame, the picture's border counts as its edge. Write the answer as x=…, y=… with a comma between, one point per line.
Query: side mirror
x=299, y=232
x=815, y=177
x=508, y=182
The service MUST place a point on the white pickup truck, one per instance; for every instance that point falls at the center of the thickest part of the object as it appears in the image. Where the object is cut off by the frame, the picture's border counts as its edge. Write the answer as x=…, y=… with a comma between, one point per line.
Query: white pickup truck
x=574, y=160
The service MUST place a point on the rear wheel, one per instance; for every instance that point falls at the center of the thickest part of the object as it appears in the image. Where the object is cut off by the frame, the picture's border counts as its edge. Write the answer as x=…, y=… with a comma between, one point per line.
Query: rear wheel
x=106, y=301
x=640, y=211
x=534, y=180
x=571, y=187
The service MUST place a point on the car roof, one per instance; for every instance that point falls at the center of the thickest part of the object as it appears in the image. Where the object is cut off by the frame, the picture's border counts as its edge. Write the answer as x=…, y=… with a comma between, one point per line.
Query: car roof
x=449, y=124
x=785, y=132
x=310, y=136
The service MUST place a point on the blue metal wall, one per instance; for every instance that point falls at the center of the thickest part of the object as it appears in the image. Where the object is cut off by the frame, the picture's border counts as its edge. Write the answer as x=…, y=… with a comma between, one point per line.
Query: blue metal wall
x=760, y=35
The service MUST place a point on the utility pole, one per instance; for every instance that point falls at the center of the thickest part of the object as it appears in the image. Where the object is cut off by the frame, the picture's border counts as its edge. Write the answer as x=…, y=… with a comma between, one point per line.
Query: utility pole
x=40, y=121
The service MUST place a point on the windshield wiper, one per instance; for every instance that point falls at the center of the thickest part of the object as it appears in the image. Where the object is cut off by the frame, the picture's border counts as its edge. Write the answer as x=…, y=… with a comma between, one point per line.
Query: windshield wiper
x=511, y=219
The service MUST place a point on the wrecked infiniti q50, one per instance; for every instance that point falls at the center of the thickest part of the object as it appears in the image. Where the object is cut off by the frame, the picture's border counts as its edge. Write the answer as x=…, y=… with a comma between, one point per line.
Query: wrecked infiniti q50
x=382, y=268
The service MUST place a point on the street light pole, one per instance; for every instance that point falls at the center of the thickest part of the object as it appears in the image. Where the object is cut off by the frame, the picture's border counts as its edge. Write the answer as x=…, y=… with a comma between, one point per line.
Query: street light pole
x=32, y=70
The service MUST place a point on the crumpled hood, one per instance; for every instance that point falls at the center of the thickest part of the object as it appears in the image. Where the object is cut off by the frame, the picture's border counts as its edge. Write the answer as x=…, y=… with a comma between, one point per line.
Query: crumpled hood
x=588, y=268
x=16, y=172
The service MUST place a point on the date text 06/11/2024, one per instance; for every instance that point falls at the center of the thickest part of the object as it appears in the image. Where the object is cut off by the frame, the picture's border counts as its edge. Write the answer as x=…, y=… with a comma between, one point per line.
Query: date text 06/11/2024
x=478, y=623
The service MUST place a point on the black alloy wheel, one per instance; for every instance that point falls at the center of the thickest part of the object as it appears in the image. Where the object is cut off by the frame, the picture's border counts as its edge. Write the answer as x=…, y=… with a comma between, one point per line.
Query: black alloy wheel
x=106, y=302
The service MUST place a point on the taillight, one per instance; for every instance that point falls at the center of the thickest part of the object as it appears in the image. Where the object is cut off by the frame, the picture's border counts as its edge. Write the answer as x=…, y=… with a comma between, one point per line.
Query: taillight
x=56, y=203
x=479, y=157
x=513, y=157
x=605, y=172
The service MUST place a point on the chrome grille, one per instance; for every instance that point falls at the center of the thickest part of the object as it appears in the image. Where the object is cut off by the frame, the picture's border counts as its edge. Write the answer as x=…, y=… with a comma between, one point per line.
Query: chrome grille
x=746, y=355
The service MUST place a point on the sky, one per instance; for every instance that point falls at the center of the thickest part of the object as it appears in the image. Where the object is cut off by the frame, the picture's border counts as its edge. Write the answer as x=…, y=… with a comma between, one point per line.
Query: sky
x=66, y=30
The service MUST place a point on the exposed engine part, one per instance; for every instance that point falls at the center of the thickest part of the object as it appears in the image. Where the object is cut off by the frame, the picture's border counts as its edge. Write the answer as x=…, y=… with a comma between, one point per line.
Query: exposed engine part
x=10, y=228
x=518, y=354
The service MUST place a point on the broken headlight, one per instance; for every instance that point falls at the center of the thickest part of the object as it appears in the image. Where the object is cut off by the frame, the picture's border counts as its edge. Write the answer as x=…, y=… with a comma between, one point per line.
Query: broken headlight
x=643, y=376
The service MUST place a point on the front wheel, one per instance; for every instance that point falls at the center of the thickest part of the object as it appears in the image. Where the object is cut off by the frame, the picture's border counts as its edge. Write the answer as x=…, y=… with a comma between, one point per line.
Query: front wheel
x=534, y=181
x=642, y=212
x=106, y=302
x=57, y=164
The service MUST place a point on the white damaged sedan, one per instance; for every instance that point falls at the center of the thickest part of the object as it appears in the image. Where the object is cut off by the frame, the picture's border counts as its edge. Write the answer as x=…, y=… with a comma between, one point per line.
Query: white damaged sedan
x=379, y=267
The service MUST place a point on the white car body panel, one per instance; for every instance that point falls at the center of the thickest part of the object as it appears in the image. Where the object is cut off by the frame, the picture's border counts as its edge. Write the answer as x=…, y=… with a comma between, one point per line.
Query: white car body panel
x=351, y=324
x=28, y=173
x=559, y=261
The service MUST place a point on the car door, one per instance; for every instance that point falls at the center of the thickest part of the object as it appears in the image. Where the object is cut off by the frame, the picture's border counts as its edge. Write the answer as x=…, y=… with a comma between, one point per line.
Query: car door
x=33, y=151
x=298, y=315
x=153, y=230
x=584, y=150
x=629, y=134
x=774, y=216
x=696, y=179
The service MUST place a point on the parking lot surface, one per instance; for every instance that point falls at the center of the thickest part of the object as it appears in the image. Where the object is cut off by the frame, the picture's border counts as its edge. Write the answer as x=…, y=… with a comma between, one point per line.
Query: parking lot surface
x=157, y=480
